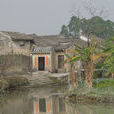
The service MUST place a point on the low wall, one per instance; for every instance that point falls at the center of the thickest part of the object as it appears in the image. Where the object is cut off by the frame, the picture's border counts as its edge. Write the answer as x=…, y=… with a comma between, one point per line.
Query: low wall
x=15, y=63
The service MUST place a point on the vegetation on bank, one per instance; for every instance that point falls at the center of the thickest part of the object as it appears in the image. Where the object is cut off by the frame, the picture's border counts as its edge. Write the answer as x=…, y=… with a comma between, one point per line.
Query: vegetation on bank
x=103, y=83
x=90, y=55
x=102, y=91
x=12, y=82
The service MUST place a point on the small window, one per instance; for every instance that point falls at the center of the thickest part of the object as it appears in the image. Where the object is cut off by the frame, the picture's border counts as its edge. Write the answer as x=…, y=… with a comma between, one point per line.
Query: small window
x=22, y=43
x=60, y=61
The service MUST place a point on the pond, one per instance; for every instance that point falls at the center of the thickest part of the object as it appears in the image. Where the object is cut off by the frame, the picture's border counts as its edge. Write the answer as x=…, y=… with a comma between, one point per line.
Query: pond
x=47, y=101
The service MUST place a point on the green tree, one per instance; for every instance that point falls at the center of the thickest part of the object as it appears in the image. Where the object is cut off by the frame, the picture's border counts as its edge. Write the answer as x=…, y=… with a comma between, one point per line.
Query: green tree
x=89, y=56
x=64, y=30
x=109, y=61
x=74, y=26
x=96, y=25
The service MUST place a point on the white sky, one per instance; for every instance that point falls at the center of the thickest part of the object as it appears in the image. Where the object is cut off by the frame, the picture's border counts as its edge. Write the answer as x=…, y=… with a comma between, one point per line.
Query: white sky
x=44, y=16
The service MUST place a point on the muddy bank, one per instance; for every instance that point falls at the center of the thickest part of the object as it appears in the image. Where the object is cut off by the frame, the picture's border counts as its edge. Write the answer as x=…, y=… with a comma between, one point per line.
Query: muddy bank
x=12, y=82
x=90, y=99
x=101, y=92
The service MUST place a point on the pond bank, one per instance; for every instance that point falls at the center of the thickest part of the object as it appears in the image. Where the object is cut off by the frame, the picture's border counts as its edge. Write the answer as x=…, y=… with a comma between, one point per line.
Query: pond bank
x=102, y=92
x=91, y=99
x=12, y=82
x=44, y=78
x=23, y=102
x=34, y=80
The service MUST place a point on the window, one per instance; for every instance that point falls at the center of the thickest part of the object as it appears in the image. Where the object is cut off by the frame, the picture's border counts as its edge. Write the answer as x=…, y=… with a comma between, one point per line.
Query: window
x=22, y=43
x=60, y=61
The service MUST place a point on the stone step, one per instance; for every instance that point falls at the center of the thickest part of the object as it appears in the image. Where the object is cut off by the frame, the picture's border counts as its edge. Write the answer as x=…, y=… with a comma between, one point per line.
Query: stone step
x=40, y=78
x=44, y=84
x=41, y=83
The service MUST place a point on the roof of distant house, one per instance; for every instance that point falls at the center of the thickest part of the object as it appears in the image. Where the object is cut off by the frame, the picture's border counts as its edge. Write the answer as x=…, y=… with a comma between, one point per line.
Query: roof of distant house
x=18, y=35
x=46, y=43
x=58, y=44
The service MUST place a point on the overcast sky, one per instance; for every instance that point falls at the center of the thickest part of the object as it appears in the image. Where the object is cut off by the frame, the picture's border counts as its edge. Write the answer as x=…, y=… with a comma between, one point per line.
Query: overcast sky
x=44, y=17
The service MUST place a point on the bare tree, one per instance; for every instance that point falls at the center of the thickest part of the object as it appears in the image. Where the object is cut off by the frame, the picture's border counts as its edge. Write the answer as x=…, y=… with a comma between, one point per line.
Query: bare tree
x=93, y=10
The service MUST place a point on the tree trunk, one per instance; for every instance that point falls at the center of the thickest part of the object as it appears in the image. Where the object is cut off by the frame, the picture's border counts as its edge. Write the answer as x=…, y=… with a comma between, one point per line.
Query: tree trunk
x=89, y=70
x=73, y=76
x=112, y=75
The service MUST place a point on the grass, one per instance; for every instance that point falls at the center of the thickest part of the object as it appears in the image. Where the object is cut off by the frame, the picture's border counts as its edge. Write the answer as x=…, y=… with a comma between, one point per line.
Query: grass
x=103, y=83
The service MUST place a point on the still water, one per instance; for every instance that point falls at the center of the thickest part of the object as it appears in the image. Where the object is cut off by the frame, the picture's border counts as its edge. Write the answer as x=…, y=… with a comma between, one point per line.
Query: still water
x=47, y=101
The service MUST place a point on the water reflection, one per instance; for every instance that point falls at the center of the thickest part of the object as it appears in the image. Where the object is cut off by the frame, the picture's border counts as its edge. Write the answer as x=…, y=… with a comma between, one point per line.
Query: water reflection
x=49, y=105
x=47, y=101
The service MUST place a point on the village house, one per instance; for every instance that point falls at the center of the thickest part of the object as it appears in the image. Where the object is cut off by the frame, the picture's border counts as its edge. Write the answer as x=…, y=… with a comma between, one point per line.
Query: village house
x=16, y=43
x=47, y=52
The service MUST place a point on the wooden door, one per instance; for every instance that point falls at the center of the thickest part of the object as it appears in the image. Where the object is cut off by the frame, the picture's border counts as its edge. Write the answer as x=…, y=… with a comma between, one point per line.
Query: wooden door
x=41, y=63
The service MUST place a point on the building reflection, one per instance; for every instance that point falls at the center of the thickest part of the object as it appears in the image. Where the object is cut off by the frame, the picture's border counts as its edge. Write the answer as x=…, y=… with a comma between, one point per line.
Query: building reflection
x=49, y=105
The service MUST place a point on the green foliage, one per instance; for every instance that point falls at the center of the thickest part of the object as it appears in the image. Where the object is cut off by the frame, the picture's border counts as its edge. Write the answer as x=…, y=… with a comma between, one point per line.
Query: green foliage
x=101, y=72
x=96, y=26
x=64, y=30
x=103, y=83
x=109, y=61
x=84, y=53
x=101, y=87
x=74, y=26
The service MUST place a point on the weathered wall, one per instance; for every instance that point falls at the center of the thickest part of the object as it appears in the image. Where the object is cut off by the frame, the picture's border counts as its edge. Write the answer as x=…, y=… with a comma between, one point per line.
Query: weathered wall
x=53, y=61
x=7, y=46
x=15, y=63
x=22, y=47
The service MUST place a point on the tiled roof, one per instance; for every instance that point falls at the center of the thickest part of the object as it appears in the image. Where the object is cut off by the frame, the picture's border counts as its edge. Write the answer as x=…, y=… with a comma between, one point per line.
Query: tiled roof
x=18, y=36
x=44, y=44
x=41, y=50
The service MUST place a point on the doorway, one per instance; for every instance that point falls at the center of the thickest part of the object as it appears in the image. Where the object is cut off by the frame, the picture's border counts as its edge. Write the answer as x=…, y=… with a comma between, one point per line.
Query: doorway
x=41, y=63
x=42, y=105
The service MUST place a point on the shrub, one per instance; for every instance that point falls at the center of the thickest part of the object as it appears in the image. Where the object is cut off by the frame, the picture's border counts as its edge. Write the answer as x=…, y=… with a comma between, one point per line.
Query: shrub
x=103, y=83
